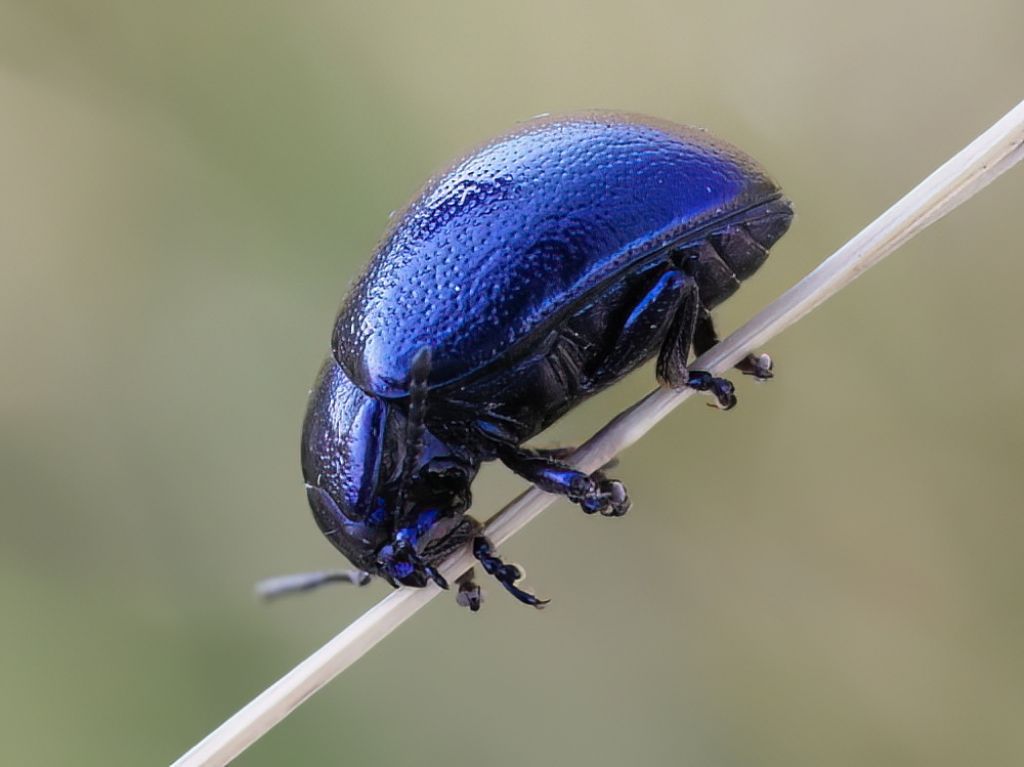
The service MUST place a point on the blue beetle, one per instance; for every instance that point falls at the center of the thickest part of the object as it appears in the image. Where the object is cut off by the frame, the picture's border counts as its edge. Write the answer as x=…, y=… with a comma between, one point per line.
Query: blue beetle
x=534, y=272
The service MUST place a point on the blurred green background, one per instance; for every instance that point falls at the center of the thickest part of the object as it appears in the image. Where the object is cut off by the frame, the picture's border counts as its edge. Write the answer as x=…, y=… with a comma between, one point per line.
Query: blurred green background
x=828, y=575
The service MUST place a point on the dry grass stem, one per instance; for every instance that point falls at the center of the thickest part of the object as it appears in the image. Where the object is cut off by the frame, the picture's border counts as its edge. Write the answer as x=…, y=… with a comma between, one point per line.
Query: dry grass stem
x=988, y=156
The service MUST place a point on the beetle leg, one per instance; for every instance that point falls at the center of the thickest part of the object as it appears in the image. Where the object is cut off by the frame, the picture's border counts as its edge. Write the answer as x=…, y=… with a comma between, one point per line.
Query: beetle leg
x=556, y=453
x=671, y=367
x=506, y=575
x=675, y=350
x=594, y=492
x=401, y=564
x=470, y=594
x=565, y=453
x=704, y=337
x=414, y=426
x=649, y=319
x=721, y=388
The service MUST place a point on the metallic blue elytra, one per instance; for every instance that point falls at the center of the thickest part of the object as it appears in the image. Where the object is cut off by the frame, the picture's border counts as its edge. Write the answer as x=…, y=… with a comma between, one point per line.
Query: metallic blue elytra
x=534, y=272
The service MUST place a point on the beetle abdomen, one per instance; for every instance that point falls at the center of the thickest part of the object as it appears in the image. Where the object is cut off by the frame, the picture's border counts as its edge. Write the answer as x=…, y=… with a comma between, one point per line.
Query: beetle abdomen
x=729, y=255
x=499, y=248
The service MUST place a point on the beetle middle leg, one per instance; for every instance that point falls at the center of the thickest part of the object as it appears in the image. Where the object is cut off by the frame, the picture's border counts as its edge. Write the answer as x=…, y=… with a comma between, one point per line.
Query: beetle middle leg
x=593, y=492
x=669, y=310
x=649, y=319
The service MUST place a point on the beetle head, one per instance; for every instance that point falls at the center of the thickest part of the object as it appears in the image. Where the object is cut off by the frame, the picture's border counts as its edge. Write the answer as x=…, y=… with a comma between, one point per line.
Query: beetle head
x=390, y=503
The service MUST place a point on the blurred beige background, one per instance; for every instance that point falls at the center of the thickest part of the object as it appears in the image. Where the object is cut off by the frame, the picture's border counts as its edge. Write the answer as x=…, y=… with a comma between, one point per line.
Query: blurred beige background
x=828, y=575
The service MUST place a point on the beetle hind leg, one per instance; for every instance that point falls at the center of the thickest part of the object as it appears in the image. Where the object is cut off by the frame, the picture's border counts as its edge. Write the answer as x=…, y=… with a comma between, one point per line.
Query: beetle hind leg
x=705, y=336
x=594, y=493
x=675, y=350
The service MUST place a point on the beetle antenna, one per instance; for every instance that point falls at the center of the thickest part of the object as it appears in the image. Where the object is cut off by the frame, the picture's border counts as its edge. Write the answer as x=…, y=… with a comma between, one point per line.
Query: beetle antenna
x=415, y=423
x=282, y=585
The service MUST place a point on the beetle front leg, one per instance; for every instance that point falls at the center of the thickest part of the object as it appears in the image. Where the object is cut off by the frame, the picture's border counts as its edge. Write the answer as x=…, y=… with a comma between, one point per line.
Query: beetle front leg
x=506, y=575
x=470, y=594
x=594, y=492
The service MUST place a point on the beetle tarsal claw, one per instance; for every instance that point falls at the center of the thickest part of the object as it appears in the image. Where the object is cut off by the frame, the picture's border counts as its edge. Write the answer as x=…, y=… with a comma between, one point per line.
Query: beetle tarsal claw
x=721, y=389
x=618, y=500
x=607, y=497
x=505, y=574
x=758, y=366
x=435, y=576
x=470, y=595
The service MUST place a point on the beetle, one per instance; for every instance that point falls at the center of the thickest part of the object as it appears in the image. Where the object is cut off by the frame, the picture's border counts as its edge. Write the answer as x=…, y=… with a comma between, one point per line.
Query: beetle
x=531, y=274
